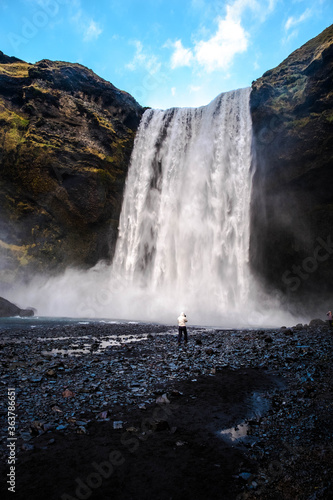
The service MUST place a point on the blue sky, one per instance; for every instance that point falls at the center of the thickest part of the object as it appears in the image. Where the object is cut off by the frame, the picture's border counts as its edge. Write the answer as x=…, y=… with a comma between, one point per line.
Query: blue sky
x=164, y=52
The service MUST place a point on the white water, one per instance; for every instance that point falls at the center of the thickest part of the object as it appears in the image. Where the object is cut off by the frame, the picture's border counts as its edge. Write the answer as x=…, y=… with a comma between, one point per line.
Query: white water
x=184, y=230
x=184, y=226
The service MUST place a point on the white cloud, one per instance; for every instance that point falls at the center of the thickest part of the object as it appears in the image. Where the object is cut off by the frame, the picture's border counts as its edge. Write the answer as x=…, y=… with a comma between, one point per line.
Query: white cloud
x=230, y=38
x=294, y=21
x=87, y=26
x=289, y=38
x=291, y=24
x=92, y=31
x=219, y=51
x=143, y=60
x=181, y=56
x=173, y=91
x=194, y=88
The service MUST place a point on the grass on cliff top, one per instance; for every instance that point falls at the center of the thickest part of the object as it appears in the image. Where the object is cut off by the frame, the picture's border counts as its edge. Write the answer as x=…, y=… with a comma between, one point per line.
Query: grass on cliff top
x=17, y=70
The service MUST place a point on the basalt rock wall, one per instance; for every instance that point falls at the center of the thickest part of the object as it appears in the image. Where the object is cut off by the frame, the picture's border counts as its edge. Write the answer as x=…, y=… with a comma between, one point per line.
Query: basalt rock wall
x=66, y=136
x=291, y=247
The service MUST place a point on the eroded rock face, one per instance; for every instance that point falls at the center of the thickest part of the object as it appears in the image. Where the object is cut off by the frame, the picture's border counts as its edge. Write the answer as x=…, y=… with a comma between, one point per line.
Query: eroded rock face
x=292, y=208
x=66, y=136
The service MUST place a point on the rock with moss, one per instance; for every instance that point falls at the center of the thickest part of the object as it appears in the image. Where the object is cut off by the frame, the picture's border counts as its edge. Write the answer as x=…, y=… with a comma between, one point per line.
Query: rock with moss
x=292, y=207
x=66, y=137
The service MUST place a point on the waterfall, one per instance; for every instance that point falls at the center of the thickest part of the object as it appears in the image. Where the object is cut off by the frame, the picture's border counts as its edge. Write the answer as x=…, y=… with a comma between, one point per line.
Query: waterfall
x=184, y=228
x=183, y=241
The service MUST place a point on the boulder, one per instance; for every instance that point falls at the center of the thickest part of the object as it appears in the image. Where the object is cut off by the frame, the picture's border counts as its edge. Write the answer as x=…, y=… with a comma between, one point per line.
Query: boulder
x=317, y=322
x=7, y=309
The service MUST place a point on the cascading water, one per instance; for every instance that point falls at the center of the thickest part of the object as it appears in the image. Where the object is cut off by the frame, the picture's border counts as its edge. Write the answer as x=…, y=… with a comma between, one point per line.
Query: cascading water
x=184, y=228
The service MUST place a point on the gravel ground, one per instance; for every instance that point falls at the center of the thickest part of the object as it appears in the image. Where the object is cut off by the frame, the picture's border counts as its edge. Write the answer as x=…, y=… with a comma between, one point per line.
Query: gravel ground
x=237, y=414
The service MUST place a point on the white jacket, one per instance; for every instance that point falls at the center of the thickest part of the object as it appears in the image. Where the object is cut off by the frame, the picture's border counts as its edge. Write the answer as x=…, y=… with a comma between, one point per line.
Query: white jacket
x=182, y=320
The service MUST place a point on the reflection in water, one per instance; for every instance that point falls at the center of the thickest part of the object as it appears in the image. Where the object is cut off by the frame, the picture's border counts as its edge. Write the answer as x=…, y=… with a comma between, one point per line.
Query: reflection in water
x=259, y=405
x=97, y=347
x=236, y=433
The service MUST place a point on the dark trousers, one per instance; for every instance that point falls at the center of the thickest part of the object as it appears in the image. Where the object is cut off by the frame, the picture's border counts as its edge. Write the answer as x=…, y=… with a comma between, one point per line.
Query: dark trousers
x=330, y=323
x=181, y=330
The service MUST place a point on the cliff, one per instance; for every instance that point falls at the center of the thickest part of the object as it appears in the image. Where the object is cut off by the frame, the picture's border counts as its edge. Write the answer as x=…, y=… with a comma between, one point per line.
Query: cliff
x=292, y=206
x=66, y=136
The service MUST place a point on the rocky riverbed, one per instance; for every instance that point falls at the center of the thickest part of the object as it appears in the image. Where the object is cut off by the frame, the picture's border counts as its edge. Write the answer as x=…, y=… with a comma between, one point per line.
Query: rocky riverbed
x=119, y=411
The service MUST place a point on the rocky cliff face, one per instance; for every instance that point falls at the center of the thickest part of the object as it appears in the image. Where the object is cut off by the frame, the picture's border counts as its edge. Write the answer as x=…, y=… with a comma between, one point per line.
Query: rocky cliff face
x=66, y=136
x=292, y=208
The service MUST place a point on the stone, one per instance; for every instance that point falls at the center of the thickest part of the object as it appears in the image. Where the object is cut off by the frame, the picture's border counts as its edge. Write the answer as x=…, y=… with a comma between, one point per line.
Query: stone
x=317, y=322
x=117, y=424
x=162, y=399
x=245, y=475
x=67, y=394
x=160, y=425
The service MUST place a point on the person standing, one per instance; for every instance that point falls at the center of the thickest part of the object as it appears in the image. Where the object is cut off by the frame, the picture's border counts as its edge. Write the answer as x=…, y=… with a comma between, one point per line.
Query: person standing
x=330, y=319
x=182, y=320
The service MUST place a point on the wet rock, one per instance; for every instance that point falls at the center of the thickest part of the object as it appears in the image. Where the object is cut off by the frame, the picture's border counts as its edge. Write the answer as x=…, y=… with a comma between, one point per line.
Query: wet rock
x=103, y=415
x=56, y=409
x=67, y=394
x=245, y=475
x=61, y=427
x=317, y=322
x=162, y=399
x=27, y=447
x=117, y=424
x=160, y=425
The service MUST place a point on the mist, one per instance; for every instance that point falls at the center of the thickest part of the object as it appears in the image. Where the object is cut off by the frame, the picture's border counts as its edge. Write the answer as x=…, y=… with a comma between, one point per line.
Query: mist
x=92, y=294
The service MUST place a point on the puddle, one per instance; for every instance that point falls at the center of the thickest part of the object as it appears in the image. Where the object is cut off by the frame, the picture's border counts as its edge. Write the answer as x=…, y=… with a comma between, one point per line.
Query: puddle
x=259, y=405
x=65, y=352
x=97, y=347
x=236, y=433
x=49, y=339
